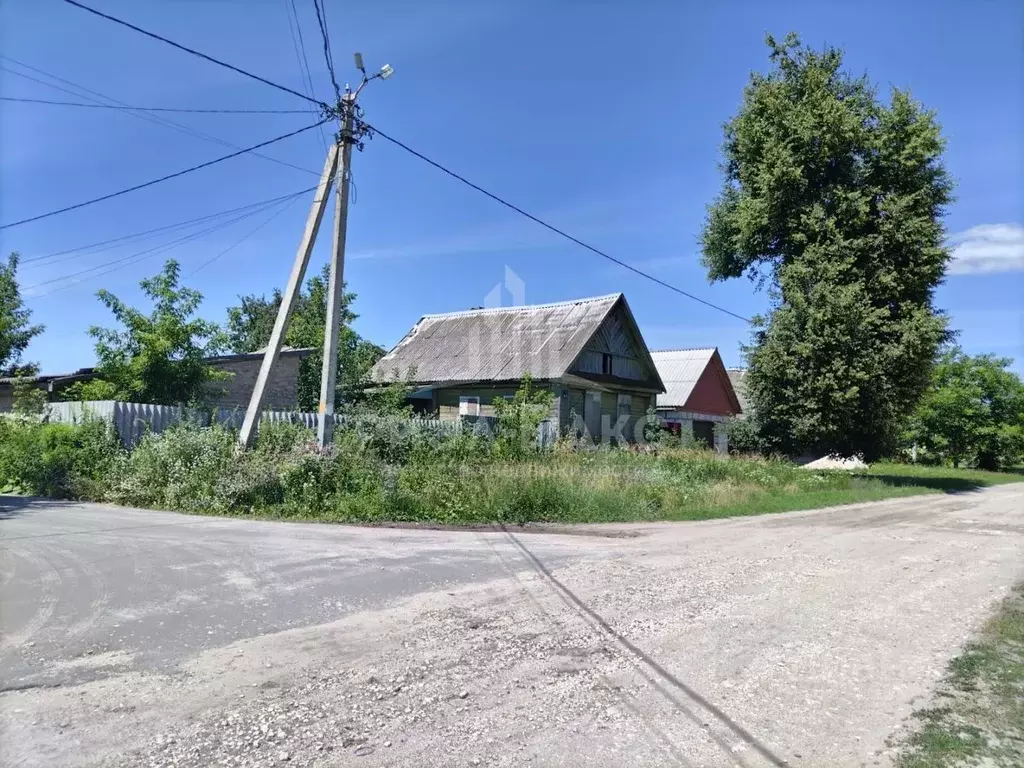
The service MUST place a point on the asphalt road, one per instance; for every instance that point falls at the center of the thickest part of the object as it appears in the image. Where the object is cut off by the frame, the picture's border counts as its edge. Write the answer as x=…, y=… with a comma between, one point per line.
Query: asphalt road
x=146, y=638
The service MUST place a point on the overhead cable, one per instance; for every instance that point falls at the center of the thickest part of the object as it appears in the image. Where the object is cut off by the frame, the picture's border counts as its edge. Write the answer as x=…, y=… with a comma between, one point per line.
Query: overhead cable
x=299, y=46
x=158, y=109
x=194, y=52
x=553, y=228
x=321, y=20
x=134, y=112
x=124, y=261
x=242, y=239
x=162, y=178
x=103, y=245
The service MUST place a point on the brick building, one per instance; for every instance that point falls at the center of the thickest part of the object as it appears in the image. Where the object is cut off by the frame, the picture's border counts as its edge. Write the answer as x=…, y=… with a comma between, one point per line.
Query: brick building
x=282, y=389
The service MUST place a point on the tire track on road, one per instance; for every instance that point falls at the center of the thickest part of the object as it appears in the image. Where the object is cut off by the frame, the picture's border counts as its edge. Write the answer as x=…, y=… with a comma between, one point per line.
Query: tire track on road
x=96, y=586
x=601, y=625
x=49, y=581
x=643, y=717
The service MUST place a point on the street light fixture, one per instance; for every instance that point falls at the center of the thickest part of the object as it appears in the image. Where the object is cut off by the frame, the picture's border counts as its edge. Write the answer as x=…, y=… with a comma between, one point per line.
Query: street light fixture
x=385, y=72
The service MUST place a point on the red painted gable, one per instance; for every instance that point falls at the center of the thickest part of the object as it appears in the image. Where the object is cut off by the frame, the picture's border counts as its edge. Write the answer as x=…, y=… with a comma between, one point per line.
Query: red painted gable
x=713, y=392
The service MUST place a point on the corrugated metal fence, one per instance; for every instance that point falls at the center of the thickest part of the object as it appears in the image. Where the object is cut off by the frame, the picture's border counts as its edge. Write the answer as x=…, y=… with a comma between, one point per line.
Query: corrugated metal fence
x=130, y=420
x=133, y=420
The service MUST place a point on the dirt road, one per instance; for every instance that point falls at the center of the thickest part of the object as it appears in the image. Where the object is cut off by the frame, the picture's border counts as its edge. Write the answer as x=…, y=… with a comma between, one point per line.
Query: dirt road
x=145, y=638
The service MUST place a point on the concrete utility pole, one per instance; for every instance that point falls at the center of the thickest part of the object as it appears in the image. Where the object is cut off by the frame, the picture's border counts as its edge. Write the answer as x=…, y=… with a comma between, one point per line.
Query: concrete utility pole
x=335, y=282
x=352, y=131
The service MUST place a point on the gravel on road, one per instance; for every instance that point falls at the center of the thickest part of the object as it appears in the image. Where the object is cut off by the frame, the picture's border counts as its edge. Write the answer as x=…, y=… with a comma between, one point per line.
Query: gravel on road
x=143, y=638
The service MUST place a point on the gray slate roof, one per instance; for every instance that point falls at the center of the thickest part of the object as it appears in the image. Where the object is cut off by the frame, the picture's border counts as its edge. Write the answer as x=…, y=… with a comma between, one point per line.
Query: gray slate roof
x=679, y=370
x=88, y=373
x=500, y=344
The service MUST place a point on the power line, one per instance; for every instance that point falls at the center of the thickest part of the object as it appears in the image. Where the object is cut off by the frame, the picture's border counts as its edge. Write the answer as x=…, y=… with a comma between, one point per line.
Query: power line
x=299, y=46
x=162, y=178
x=157, y=109
x=241, y=240
x=153, y=118
x=194, y=52
x=103, y=245
x=553, y=228
x=321, y=19
x=156, y=248
x=133, y=258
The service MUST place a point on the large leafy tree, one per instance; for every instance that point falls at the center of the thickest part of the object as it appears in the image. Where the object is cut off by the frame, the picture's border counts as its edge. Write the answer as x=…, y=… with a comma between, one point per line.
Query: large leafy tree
x=16, y=330
x=972, y=412
x=157, y=357
x=833, y=200
x=250, y=324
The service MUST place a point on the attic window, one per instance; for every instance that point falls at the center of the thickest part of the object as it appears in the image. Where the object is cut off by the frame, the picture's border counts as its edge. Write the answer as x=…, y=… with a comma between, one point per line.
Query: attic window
x=606, y=364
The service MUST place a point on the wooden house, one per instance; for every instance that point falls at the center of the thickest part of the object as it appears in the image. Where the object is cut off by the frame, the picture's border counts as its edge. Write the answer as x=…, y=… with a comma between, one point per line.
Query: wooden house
x=589, y=353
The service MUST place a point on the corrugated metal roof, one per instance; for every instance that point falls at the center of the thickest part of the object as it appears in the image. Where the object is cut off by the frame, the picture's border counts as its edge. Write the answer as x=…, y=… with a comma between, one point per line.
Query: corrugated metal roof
x=42, y=378
x=499, y=344
x=679, y=370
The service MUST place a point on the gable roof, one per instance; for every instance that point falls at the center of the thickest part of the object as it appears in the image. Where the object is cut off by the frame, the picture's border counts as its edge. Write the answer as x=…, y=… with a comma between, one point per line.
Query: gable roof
x=680, y=369
x=503, y=343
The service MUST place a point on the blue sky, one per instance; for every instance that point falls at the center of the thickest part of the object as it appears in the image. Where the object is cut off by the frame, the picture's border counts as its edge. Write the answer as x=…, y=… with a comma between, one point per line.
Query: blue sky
x=604, y=118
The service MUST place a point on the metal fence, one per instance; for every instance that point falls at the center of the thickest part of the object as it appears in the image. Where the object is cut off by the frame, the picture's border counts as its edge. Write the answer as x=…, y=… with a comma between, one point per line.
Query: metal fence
x=133, y=420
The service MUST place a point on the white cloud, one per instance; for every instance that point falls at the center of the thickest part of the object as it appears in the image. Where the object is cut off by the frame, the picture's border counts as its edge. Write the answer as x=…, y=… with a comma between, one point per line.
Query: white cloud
x=988, y=248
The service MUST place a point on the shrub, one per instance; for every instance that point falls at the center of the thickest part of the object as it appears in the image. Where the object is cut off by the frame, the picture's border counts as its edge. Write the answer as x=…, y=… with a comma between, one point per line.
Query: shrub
x=393, y=439
x=250, y=484
x=19, y=451
x=519, y=419
x=744, y=437
x=275, y=439
x=440, y=492
x=58, y=460
x=179, y=468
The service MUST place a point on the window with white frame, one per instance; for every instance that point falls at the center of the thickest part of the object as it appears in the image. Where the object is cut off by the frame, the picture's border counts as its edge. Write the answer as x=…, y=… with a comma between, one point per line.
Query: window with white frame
x=469, y=405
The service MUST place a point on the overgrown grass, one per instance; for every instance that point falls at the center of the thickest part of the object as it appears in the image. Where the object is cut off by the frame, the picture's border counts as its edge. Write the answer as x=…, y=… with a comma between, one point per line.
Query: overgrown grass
x=57, y=460
x=980, y=720
x=387, y=471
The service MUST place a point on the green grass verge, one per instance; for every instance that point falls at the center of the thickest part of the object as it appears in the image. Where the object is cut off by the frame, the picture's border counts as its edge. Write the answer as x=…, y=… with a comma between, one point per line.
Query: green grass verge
x=770, y=503
x=941, y=478
x=979, y=720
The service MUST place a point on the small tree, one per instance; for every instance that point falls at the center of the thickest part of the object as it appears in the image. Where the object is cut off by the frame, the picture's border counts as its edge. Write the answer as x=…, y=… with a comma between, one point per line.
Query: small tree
x=972, y=412
x=250, y=324
x=28, y=398
x=15, y=329
x=520, y=417
x=392, y=399
x=159, y=357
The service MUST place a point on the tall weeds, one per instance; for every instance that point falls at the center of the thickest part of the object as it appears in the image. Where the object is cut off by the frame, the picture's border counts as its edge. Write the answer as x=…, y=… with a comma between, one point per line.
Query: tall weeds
x=384, y=470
